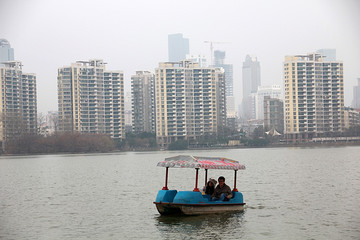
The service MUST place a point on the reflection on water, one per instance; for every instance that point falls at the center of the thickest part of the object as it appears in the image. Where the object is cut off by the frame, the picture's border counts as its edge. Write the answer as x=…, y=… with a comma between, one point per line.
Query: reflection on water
x=215, y=226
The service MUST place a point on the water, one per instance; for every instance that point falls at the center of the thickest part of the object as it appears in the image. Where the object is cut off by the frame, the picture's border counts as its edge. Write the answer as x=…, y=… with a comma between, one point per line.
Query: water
x=291, y=193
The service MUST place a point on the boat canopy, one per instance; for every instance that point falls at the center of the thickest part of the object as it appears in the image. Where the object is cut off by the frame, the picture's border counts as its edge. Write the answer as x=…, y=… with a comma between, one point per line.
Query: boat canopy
x=187, y=161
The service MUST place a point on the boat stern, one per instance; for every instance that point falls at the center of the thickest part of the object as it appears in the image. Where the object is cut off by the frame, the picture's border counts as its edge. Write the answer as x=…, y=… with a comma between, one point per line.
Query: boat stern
x=164, y=201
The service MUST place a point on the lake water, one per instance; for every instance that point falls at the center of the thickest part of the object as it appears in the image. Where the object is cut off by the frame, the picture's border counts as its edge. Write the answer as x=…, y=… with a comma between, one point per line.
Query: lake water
x=291, y=193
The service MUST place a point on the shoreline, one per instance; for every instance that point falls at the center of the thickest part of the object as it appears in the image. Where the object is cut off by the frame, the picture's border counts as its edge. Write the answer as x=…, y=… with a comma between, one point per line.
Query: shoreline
x=275, y=145
x=281, y=145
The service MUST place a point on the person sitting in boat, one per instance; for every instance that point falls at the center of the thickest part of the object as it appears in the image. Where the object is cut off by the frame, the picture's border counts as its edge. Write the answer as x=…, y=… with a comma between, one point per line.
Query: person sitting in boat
x=222, y=191
x=210, y=186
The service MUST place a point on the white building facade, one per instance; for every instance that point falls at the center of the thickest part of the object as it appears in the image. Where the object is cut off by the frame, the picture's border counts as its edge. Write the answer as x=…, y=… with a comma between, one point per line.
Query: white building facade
x=314, y=95
x=91, y=99
x=190, y=101
x=18, y=104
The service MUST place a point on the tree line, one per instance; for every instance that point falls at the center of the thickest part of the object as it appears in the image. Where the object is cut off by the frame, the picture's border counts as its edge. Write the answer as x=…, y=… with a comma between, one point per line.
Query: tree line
x=59, y=143
x=74, y=142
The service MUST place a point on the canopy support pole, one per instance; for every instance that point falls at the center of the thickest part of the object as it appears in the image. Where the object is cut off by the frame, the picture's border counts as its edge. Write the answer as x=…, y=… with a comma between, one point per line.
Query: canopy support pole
x=205, y=177
x=166, y=179
x=196, y=181
x=235, y=189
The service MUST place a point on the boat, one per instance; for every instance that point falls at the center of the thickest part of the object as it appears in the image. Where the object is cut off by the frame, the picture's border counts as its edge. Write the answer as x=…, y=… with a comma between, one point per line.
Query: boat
x=195, y=202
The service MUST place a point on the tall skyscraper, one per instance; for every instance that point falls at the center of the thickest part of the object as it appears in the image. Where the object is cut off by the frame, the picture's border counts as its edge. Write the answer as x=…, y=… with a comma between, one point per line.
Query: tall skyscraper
x=178, y=47
x=6, y=52
x=143, y=102
x=273, y=91
x=190, y=101
x=251, y=81
x=91, y=99
x=356, y=96
x=18, y=106
x=314, y=96
x=328, y=54
x=219, y=61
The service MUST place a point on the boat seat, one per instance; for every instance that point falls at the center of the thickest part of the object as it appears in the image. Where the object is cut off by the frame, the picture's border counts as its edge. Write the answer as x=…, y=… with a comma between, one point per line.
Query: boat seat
x=207, y=196
x=166, y=195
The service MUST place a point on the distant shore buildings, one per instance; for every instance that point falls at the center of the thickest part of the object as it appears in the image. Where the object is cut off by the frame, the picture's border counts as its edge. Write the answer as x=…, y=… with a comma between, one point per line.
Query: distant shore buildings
x=314, y=96
x=91, y=99
x=143, y=102
x=6, y=52
x=190, y=101
x=273, y=114
x=273, y=91
x=356, y=95
x=351, y=118
x=48, y=123
x=251, y=80
x=18, y=104
x=183, y=99
x=219, y=62
x=178, y=47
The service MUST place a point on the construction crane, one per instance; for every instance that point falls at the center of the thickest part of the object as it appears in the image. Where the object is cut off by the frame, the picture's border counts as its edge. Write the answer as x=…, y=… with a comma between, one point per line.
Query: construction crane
x=212, y=49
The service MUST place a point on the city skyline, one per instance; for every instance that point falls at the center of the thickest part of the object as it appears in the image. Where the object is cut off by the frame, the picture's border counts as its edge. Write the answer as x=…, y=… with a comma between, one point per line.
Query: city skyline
x=44, y=40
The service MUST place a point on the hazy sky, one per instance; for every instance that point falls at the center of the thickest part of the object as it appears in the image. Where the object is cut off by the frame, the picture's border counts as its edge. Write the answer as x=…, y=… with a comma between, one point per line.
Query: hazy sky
x=132, y=35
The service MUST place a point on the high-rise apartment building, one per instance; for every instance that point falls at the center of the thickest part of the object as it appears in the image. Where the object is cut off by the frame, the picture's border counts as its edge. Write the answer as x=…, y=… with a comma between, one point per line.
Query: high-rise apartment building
x=190, y=101
x=178, y=47
x=314, y=96
x=273, y=114
x=91, y=99
x=273, y=91
x=251, y=81
x=356, y=96
x=18, y=106
x=143, y=102
x=6, y=52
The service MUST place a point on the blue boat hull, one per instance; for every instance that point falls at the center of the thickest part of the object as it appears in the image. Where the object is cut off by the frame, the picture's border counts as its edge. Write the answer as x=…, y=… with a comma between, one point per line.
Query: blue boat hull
x=195, y=203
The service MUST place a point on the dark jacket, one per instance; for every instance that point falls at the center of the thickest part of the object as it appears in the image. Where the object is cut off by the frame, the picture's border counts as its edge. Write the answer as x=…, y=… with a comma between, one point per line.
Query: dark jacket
x=209, y=190
x=218, y=191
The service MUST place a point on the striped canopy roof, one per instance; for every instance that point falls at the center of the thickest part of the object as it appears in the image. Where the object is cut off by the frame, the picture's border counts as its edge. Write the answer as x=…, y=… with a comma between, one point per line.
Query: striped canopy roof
x=187, y=161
